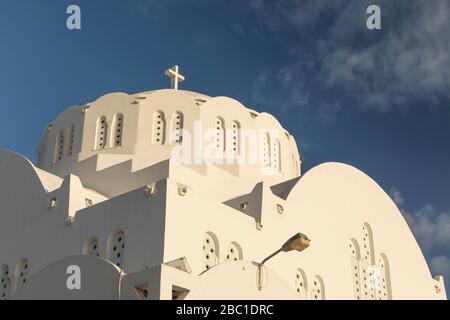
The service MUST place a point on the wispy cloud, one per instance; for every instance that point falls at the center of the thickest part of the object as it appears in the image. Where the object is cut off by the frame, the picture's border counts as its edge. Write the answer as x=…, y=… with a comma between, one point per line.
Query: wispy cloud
x=431, y=227
x=432, y=230
x=409, y=61
x=289, y=90
x=397, y=196
x=441, y=265
x=406, y=63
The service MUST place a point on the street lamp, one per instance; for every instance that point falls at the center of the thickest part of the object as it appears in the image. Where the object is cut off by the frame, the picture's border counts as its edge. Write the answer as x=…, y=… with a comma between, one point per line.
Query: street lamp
x=298, y=242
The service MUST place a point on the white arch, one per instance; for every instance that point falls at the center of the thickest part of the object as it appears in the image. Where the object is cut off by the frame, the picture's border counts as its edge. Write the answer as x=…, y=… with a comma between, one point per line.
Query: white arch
x=117, y=130
x=355, y=256
x=101, y=135
x=21, y=273
x=159, y=128
x=383, y=284
x=368, y=248
x=91, y=247
x=59, y=150
x=210, y=250
x=275, y=159
x=301, y=284
x=220, y=134
x=116, y=247
x=318, y=289
x=71, y=137
x=354, y=248
x=234, y=252
x=236, y=138
x=265, y=149
x=176, y=128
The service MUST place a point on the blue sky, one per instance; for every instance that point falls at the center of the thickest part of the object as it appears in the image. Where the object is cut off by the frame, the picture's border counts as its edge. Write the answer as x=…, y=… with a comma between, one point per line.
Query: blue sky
x=379, y=100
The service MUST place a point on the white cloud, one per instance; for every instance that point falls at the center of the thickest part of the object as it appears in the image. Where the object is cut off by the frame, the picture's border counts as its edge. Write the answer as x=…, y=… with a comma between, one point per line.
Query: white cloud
x=440, y=265
x=407, y=61
x=432, y=230
x=397, y=196
x=430, y=226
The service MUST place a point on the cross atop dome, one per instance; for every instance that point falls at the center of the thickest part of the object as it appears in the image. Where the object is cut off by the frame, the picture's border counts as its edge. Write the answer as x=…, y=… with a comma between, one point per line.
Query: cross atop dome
x=175, y=77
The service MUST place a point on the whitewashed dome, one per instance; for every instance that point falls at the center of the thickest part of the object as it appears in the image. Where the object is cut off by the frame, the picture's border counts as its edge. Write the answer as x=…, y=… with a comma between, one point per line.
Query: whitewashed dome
x=148, y=125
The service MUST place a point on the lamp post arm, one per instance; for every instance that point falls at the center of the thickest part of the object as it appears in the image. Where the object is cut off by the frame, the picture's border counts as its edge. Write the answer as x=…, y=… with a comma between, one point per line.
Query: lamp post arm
x=261, y=264
x=298, y=242
x=271, y=256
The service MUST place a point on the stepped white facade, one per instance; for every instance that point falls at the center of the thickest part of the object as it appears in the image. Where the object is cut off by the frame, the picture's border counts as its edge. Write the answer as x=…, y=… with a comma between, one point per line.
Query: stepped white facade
x=171, y=194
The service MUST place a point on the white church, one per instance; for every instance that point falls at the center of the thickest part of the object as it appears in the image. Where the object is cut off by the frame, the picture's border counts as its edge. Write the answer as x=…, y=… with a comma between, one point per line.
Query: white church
x=172, y=194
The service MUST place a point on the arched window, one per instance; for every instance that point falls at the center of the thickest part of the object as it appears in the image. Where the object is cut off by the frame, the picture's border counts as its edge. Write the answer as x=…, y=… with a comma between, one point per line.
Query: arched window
x=159, y=128
x=355, y=256
x=116, y=135
x=318, y=289
x=59, y=146
x=21, y=273
x=301, y=284
x=275, y=155
x=234, y=252
x=176, y=128
x=91, y=248
x=265, y=149
x=101, y=133
x=116, y=248
x=368, y=250
x=220, y=134
x=383, y=279
x=210, y=250
x=367, y=268
x=5, y=282
x=71, y=137
x=236, y=138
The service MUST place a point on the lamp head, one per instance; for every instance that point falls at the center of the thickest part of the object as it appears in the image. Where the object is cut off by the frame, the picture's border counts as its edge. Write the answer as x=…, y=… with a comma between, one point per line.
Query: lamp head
x=299, y=242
